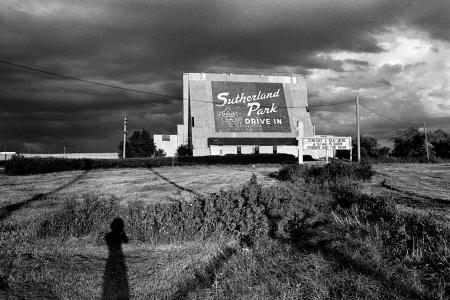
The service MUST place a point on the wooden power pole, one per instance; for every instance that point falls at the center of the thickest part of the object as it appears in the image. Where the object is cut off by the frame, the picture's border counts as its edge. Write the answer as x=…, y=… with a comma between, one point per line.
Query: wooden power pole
x=357, y=127
x=124, y=136
x=426, y=141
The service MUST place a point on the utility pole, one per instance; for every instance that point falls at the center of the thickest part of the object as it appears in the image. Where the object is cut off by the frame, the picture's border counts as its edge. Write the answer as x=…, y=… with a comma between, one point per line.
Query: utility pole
x=124, y=136
x=357, y=126
x=426, y=141
x=64, y=149
x=191, y=150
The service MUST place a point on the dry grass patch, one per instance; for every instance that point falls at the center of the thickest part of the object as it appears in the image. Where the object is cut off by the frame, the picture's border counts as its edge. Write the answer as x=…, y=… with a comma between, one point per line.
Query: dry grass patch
x=430, y=181
x=75, y=269
x=153, y=185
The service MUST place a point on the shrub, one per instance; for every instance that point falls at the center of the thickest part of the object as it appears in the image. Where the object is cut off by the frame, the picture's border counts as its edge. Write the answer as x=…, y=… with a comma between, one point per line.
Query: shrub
x=78, y=218
x=26, y=166
x=332, y=172
x=363, y=170
x=245, y=213
x=183, y=150
x=290, y=173
x=345, y=193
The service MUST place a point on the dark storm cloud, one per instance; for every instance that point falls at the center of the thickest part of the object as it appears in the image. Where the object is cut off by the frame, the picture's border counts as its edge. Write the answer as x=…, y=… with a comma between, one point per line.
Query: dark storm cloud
x=146, y=45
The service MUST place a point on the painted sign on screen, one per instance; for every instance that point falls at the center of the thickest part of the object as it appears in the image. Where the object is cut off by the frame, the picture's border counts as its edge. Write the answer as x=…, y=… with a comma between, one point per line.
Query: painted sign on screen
x=249, y=106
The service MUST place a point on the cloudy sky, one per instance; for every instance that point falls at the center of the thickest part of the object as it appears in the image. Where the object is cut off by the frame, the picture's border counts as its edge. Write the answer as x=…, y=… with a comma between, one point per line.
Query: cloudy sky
x=395, y=55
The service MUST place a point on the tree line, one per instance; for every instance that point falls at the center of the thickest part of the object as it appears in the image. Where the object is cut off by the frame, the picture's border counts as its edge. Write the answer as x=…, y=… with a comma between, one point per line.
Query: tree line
x=409, y=143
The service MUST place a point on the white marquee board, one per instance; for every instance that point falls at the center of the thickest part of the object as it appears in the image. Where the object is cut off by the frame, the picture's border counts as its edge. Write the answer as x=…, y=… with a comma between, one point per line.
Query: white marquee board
x=327, y=143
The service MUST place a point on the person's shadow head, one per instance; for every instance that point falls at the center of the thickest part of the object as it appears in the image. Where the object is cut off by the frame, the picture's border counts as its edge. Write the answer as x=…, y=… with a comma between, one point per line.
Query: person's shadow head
x=117, y=236
x=115, y=279
x=117, y=225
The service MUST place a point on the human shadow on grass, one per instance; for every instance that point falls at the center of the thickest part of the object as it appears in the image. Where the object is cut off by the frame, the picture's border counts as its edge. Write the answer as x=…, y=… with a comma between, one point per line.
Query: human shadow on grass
x=9, y=209
x=174, y=183
x=115, y=278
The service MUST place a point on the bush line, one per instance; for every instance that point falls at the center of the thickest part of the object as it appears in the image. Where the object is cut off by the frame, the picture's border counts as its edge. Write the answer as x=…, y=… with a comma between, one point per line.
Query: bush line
x=334, y=171
x=26, y=166
x=246, y=213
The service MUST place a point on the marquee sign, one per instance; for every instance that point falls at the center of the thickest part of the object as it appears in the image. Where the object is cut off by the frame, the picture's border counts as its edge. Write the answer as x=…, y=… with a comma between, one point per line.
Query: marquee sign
x=249, y=107
x=327, y=143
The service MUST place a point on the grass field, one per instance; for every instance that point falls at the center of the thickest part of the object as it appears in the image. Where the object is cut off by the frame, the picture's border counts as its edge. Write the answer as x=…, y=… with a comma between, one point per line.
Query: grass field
x=422, y=187
x=431, y=181
x=74, y=268
x=152, y=185
x=325, y=263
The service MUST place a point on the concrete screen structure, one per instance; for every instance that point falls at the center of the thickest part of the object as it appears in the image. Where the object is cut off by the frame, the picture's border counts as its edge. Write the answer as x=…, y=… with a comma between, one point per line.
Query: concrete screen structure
x=237, y=113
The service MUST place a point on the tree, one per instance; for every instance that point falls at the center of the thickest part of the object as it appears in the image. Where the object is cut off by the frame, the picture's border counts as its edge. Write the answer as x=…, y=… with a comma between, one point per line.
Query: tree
x=183, y=150
x=369, y=148
x=160, y=153
x=441, y=142
x=409, y=143
x=384, y=151
x=139, y=144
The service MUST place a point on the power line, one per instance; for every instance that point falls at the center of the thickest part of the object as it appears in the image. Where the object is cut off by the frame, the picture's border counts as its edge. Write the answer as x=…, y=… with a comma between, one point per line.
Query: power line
x=386, y=117
x=332, y=104
x=141, y=91
x=88, y=81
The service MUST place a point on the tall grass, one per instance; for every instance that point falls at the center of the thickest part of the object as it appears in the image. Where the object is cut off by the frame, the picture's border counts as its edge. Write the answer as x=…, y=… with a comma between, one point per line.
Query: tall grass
x=334, y=171
x=407, y=253
x=409, y=248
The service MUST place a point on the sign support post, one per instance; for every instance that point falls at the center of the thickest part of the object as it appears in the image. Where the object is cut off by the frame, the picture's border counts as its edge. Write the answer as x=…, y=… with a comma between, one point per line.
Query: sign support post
x=301, y=134
x=351, y=150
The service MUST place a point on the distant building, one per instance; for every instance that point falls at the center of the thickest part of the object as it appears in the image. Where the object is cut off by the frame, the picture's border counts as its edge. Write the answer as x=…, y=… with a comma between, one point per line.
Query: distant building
x=6, y=155
x=76, y=155
x=169, y=143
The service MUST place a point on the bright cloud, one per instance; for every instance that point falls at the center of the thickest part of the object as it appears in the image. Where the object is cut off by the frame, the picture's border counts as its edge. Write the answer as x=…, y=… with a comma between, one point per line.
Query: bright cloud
x=408, y=81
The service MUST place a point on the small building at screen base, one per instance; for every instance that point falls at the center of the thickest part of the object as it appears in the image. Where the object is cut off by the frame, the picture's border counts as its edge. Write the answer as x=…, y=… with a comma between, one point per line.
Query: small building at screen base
x=242, y=114
x=166, y=142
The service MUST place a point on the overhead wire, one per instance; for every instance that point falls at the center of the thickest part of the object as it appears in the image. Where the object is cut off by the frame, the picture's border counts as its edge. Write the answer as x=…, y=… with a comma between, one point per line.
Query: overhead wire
x=386, y=117
x=144, y=92
x=178, y=98
x=89, y=81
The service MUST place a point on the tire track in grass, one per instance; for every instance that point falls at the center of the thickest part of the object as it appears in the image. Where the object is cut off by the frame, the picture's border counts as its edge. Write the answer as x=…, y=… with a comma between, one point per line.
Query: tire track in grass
x=205, y=275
